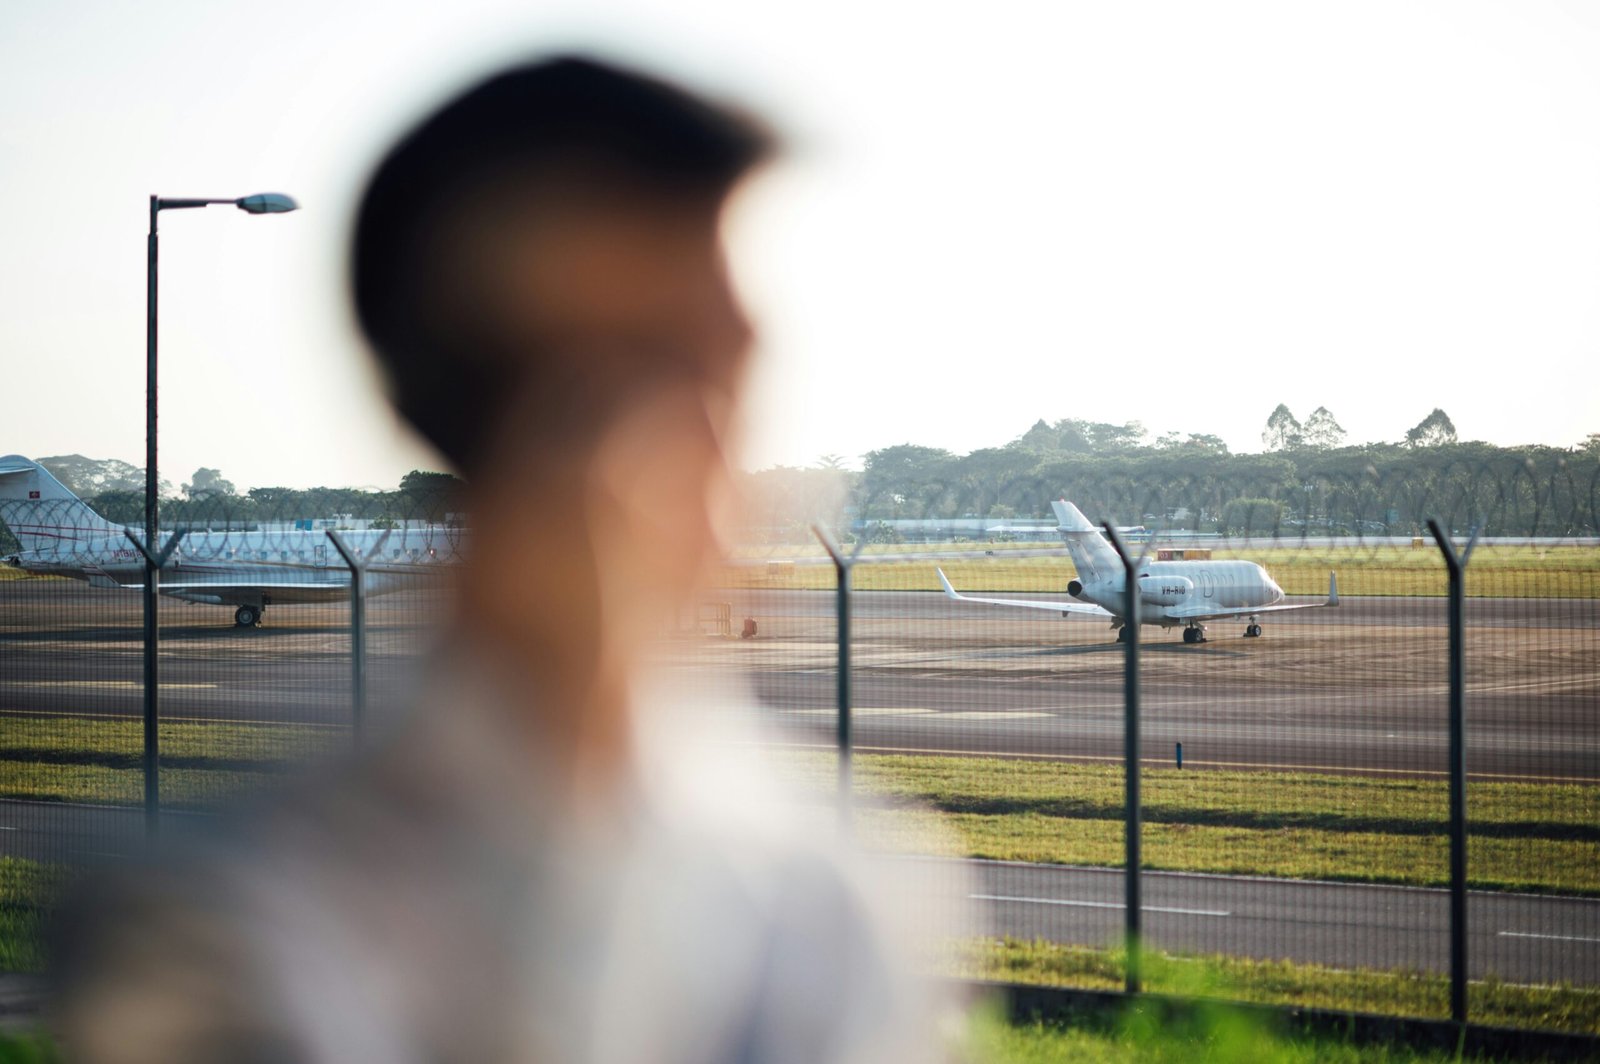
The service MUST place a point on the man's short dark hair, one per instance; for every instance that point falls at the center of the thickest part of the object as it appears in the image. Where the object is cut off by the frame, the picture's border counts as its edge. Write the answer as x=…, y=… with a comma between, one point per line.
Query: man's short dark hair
x=550, y=117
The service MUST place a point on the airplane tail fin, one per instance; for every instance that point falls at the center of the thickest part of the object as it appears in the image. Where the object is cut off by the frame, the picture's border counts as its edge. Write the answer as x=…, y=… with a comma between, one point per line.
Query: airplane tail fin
x=1092, y=556
x=41, y=512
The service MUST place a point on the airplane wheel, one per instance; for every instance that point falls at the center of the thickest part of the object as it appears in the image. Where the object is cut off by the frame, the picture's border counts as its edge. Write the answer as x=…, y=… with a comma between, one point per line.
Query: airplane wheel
x=1122, y=634
x=1191, y=635
x=1252, y=632
x=247, y=616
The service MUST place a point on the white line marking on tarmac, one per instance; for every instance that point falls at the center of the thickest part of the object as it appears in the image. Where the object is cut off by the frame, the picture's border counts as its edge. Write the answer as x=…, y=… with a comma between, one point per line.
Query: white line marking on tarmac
x=1158, y=762
x=860, y=711
x=1556, y=938
x=1099, y=905
x=45, y=714
x=116, y=685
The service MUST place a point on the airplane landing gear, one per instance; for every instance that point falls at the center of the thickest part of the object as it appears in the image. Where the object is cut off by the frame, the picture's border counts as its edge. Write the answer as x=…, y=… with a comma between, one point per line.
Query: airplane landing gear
x=1253, y=631
x=248, y=616
x=1122, y=634
x=1194, y=634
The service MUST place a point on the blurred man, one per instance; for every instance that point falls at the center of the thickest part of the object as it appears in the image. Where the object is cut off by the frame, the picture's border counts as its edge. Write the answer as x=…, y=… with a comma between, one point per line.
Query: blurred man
x=522, y=871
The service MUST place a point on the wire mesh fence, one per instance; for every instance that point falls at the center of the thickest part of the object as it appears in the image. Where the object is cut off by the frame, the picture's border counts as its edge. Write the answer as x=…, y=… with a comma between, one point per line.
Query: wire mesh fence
x=1294, y=764
x=1295, y=805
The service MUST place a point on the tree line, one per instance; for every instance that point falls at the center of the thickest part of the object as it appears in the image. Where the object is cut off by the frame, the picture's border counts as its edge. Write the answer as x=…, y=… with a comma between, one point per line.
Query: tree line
x=1307, y=480
x=115, y=490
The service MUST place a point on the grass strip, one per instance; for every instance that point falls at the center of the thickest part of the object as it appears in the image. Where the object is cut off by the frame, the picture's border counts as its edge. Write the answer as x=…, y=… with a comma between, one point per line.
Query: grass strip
x=75, y=759
x=1275, y=982
x=991, y=1040
x=1497, y=572
x=28, y=891
x=1532, y=837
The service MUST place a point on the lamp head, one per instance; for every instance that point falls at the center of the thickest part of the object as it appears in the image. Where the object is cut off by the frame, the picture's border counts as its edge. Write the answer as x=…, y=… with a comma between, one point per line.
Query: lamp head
x=267, y=203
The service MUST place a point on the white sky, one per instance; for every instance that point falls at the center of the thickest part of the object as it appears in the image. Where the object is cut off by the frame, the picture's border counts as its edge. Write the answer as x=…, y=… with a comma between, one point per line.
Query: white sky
x=1181, y=213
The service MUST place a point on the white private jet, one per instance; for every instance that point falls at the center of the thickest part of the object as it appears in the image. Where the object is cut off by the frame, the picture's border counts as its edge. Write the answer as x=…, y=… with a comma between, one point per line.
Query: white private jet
x=60, y=535
x=1186, y=593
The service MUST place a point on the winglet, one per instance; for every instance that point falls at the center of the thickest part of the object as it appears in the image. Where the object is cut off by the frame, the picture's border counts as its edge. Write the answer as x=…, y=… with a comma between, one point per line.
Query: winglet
x=945, y=581
x=1333, y=588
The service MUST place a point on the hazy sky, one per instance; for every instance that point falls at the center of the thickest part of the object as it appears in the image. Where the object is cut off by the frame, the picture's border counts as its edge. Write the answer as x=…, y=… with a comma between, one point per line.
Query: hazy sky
x=1181, y=213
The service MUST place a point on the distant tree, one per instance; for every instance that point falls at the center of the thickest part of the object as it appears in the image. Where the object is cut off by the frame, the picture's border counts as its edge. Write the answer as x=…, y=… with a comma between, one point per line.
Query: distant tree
x=1432, y=431
x=1124, y=437
x=208, y=482
x=1283, y=431
x=429, y=495
x=1204, y=441
x=831, y=462
x=883, y=532
x=121, y=507
x=85, y=477
x=1039, y=438
x=1323, y=431
x=1590, y=444
x=892, y=477
x=1076, y=436
x=1251, y=517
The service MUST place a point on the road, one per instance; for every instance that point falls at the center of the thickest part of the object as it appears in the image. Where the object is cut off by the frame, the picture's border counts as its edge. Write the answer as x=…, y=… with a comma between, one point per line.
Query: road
x=1516, y=937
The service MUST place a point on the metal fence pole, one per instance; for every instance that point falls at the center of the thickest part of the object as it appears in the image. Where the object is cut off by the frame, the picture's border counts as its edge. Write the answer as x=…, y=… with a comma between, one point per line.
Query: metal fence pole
x=1456, y=565
x=842, y=567
x=152, y=689
x=1132, y=821
x=357, y=564
x=152, y=569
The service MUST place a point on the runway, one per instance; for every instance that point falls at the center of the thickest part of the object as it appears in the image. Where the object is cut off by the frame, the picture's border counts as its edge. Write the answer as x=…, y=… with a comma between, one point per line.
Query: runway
x=1360, y=688
x=1515, y=937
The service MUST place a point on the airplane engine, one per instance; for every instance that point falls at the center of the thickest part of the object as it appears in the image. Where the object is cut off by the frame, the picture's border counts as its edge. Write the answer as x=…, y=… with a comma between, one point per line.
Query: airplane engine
x=1075, y=588
x=1165, y=590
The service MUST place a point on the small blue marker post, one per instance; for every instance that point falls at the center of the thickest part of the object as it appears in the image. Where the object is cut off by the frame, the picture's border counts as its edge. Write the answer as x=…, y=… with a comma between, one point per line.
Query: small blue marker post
x=1180, y=755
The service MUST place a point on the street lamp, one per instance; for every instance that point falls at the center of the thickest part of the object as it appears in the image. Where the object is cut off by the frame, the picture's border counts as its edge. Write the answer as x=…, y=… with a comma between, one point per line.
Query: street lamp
x=260, y=203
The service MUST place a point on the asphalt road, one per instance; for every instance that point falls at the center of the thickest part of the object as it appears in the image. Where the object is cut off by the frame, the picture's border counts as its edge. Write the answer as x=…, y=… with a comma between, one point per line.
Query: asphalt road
x=1516, y=937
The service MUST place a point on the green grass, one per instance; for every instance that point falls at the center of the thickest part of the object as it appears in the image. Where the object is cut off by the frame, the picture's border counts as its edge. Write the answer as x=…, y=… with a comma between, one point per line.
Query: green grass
x=31, y=1047
x=1280, y=983
x=1494, y=572
x=1143, y=1033
x=80, y=759
x=1523, y=836
x=28, y=890
x=1536, y=837
x=1148, y=1031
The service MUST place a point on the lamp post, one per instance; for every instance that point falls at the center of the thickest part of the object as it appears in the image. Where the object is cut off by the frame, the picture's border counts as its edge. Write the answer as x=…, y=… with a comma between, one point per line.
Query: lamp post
x=261, y=203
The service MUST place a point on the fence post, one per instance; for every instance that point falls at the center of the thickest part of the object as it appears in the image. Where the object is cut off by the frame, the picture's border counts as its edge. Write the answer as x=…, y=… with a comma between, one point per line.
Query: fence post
x=1132, y=822
x=357, y=565
x=1456, y=566
x=152, y=677
x=842, y=567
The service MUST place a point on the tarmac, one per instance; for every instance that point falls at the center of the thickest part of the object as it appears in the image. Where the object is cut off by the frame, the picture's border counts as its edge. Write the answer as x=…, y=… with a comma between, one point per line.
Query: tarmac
x=1357, y=689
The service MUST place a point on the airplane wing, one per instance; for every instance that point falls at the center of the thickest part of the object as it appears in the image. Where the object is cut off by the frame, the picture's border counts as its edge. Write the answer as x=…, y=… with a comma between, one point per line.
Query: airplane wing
x=1202, y=613
x=1031, y=604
